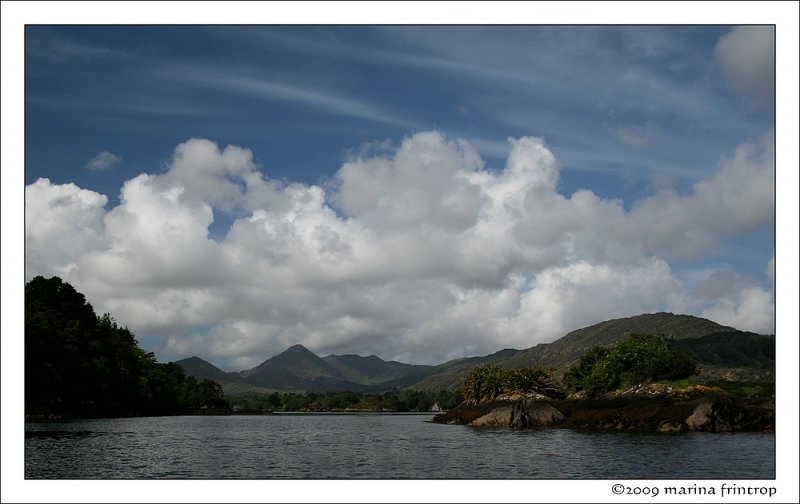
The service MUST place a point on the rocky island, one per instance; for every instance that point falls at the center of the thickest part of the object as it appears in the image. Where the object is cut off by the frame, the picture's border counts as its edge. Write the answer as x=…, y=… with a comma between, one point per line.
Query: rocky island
x=651, y=407
x=643, y=383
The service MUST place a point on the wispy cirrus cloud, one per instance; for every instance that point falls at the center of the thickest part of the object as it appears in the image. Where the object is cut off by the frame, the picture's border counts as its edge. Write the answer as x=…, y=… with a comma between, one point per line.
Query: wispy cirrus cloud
x=387, y=55
x=335, y=103
x=647, y=74
x=56, y=46
x=639, y=136
x=131, y=105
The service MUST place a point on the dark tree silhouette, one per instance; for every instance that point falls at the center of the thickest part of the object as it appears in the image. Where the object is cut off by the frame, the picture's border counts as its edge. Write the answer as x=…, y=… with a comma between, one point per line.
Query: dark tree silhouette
x=79, y=364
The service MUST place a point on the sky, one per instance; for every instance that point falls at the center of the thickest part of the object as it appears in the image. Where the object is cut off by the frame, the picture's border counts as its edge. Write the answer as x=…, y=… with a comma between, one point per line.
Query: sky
x=416, y=192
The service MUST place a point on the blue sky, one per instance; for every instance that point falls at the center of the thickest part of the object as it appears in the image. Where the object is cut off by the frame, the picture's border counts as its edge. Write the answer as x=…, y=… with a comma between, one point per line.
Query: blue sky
x=618, y=105
x=416, y=192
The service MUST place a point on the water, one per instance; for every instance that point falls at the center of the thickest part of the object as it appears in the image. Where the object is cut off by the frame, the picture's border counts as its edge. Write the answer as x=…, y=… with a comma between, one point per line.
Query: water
x=376, y=446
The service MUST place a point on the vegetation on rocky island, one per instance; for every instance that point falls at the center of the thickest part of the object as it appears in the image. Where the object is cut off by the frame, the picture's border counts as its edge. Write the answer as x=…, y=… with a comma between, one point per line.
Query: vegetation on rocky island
x=642, y=358
x=78, y=364
x=489, y=381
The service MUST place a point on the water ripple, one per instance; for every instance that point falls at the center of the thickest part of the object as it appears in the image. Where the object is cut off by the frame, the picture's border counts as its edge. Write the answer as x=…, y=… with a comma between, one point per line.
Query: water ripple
x=376, y=447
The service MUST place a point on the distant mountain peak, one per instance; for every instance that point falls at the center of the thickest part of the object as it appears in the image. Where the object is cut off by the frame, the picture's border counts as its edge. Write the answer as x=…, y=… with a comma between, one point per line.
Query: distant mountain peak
x=200, y=369
x=297, y=349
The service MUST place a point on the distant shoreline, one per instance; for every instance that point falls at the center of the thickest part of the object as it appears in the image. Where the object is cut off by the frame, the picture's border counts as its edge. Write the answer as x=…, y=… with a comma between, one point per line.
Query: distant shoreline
x=62, y=418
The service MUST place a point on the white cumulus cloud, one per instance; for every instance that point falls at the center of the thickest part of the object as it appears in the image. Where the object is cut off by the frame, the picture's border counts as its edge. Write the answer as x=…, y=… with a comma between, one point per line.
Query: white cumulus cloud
x=417, y=252
x=739, y=197
x=751, y=309
x=62, y=223
x=564, y=298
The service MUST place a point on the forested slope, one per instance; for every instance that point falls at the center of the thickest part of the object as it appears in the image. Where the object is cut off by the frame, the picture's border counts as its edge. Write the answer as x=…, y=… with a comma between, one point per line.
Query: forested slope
x=78, y=364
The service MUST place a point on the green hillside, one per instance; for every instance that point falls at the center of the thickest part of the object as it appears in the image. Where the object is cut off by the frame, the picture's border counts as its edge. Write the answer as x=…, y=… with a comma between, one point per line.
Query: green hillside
x=561, y=354
x=564, y=352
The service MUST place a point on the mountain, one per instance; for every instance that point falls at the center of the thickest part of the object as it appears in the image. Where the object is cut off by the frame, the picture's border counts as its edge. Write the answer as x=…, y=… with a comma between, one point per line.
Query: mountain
x=299, y=370
x=232, y=383
x=564, y=352
x=449, y=376
x=561, y=354
x=722, y=352
x=201, y=370
x=372, y=370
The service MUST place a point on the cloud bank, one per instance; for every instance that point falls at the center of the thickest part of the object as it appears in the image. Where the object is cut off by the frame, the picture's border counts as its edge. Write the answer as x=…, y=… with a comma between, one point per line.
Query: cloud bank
x=418, y=252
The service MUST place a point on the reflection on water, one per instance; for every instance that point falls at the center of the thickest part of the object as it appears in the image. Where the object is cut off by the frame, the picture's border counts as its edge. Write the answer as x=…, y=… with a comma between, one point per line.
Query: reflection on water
x=376, y=446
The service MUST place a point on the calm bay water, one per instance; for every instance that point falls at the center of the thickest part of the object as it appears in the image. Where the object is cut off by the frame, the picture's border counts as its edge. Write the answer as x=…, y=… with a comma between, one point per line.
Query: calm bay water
x=376, y=446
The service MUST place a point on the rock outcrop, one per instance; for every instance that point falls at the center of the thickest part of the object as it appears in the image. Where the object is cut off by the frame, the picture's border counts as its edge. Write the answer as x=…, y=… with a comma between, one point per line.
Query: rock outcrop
x=515, y=413
x=542, y=413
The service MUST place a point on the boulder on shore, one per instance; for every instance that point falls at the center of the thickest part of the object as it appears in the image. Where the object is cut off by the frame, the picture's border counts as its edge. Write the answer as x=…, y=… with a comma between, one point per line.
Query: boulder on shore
x=519, y=413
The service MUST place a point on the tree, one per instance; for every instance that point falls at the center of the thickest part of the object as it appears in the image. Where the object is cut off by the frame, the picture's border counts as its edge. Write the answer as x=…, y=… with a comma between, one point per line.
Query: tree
x=579, y=373
x=274, y=400
x=484, y=383
x=448, y=399
x=210, y=395
x=56, y=319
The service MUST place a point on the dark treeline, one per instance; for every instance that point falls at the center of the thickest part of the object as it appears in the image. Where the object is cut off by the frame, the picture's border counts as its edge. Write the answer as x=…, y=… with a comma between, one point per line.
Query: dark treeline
x=394, y=401
x=78, y=364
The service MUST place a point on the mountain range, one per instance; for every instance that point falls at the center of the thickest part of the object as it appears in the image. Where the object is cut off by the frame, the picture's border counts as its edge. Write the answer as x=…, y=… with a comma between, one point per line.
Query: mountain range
x=297, y=369
x=722, y=353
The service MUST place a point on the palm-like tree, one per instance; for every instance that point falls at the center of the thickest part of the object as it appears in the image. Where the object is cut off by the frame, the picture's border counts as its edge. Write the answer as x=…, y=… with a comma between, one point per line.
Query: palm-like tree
x=484, y=383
